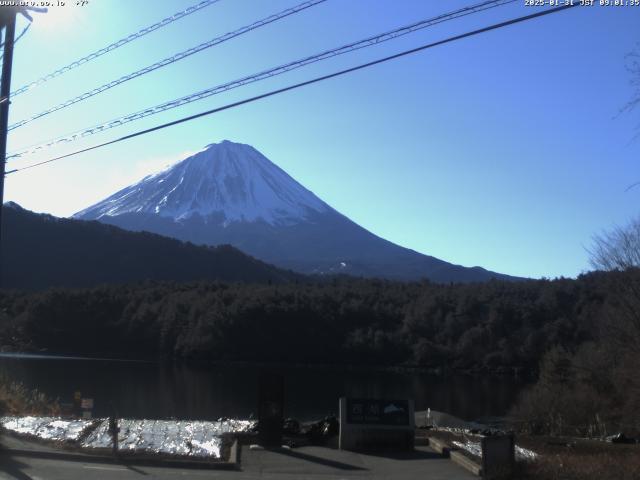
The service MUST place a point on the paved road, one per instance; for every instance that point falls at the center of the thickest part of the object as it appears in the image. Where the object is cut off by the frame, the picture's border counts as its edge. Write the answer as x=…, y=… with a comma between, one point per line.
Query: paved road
x=30, y=468
x=311, y=463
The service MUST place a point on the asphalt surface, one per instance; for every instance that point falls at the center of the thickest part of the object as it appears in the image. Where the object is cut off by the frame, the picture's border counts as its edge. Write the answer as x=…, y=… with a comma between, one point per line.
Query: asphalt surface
x=300, y=463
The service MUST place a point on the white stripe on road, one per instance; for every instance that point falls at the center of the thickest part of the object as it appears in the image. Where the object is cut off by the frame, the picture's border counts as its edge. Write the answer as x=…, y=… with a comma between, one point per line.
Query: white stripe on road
x=105, y=468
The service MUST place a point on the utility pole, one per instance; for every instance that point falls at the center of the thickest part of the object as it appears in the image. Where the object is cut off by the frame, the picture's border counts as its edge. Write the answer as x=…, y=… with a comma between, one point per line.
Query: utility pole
x=8, y=22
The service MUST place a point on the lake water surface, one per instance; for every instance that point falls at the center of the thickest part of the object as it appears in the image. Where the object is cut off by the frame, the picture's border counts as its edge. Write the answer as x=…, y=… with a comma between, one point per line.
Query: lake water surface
x=156, y=390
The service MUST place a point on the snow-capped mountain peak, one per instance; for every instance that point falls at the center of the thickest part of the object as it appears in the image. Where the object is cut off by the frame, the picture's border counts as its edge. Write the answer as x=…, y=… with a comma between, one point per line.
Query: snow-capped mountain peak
x=229, y=193
x=229, y=179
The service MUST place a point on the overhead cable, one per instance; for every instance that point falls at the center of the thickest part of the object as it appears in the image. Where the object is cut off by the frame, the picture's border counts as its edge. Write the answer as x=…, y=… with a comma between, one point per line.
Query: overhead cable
x=367, y=42
x=123, y=41
x=302, y=84
x=172, y=59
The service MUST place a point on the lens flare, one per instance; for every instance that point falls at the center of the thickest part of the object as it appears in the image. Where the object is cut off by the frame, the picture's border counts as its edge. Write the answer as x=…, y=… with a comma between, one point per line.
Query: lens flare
x=57, y=17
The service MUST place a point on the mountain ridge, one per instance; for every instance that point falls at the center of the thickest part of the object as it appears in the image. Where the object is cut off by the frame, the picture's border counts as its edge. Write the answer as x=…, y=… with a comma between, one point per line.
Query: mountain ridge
x=231, y=193
x=40, y=251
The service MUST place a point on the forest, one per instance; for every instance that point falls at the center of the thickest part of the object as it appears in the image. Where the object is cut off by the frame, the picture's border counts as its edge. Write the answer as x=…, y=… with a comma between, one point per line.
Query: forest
x=578, y=338
x=495, y=326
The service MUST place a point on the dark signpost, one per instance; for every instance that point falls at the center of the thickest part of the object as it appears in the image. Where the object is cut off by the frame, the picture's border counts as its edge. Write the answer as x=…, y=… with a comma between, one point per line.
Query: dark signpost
x=271, y=410
x=377, y=412
x=371, y=423
x=498, y=456
x=77, y=404
x=113, y=431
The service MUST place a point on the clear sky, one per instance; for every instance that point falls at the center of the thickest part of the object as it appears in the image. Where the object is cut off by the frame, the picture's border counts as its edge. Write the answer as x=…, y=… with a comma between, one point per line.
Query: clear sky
x=505, y=150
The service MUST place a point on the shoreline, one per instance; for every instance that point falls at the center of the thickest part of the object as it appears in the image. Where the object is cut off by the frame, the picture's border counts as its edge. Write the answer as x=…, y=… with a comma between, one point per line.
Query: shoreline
x=439, y=371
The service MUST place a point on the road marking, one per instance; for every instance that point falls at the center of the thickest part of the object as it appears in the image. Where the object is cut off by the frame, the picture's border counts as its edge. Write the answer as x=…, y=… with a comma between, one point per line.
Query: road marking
x=105, y=468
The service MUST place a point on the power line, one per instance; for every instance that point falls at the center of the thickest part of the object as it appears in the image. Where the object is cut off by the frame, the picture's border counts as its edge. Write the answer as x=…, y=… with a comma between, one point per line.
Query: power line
x=303, y=84
x=22, y=33
x=123, y=41
x=374, y=40
x=172, y=59
x=24, y=30
x=24, y=11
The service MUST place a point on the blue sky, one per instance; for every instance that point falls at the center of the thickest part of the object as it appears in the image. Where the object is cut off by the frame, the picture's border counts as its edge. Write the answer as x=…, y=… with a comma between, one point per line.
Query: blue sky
x=504, y=150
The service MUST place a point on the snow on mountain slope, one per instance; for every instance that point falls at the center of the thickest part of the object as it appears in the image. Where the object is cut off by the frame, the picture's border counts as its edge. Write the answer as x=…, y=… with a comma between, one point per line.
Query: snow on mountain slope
x=229, y=193
x=230, y=179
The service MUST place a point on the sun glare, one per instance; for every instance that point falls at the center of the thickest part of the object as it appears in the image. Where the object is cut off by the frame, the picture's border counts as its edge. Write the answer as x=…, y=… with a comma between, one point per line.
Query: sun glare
x=56, y=18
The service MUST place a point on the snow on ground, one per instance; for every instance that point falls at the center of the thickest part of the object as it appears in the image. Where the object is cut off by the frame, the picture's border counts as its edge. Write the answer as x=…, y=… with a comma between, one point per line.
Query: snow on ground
x=47, y=428
x=196, y=439
x=475, y=448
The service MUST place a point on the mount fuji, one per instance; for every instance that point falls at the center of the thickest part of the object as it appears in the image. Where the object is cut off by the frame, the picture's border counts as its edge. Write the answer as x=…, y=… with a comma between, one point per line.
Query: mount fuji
x=229, y=193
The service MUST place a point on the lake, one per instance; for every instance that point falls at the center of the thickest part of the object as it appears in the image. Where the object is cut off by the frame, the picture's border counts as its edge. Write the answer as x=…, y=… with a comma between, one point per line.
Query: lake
x=161, y=391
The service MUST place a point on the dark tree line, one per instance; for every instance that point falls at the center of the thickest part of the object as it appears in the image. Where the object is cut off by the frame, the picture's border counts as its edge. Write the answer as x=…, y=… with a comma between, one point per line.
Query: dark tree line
x=594, y=388
x=494, y=326
x=42, y=250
